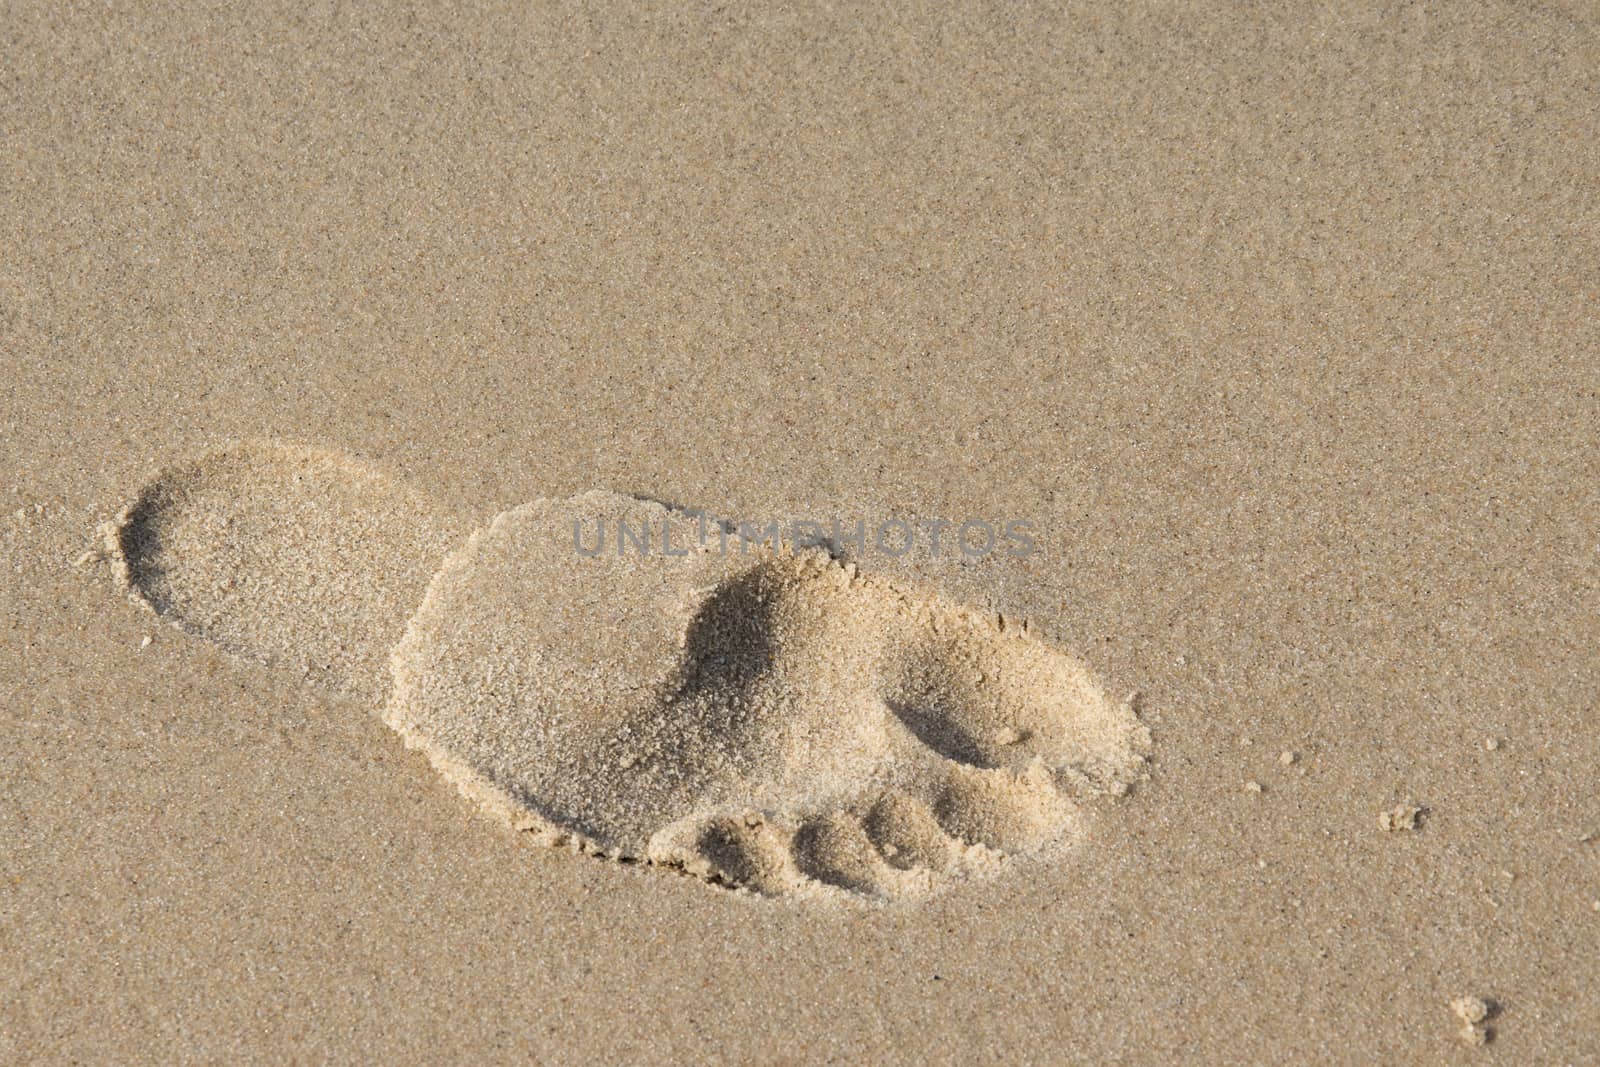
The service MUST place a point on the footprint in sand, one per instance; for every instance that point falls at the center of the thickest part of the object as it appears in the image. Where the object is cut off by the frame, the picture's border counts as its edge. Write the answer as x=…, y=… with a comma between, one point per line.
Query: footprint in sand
x=762, y=717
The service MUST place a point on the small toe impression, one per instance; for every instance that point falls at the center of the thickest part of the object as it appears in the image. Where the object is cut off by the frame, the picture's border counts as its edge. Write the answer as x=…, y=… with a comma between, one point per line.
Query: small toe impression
x=1000, y=808
x=907, y=835
x=742, y=851
x=835, y=850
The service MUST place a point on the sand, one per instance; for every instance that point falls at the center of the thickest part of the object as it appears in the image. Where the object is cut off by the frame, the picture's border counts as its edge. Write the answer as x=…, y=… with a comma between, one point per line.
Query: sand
x=1278, y=329
x=665, y=690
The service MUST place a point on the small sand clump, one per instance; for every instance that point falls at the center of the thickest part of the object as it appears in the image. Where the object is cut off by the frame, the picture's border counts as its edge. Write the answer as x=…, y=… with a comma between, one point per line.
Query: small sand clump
x=1400, y=817
x=1473, y=1013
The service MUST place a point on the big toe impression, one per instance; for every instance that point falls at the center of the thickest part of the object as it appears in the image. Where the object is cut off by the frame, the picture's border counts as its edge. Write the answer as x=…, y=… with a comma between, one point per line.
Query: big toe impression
x=993, y=697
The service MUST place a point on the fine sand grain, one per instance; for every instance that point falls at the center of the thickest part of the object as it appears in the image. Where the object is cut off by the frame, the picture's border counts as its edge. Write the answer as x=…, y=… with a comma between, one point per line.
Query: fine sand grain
x=1276, y=326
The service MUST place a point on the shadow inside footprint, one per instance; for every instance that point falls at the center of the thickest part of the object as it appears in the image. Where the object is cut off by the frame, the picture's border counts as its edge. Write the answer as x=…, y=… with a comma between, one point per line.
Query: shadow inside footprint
x=936, y=724
x=836, y=851
x=729, y=643
x=139, y=543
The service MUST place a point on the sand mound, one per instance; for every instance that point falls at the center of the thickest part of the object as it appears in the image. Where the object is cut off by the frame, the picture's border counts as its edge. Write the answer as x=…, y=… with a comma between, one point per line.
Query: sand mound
x=600, y=671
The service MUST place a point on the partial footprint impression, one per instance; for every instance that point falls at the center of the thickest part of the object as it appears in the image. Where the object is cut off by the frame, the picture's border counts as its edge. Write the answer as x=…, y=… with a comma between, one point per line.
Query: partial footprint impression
x=762, y=717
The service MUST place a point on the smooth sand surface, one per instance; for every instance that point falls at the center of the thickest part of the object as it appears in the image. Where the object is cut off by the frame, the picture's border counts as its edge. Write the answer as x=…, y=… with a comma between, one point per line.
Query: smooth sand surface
x=1279, y=328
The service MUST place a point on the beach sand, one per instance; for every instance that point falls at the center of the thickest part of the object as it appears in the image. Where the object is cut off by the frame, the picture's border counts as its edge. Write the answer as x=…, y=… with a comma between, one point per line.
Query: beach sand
x=1277, y=330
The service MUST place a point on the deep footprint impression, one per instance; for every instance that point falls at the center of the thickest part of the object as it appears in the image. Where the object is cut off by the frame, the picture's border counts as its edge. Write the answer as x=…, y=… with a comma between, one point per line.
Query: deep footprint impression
x=763, y=717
